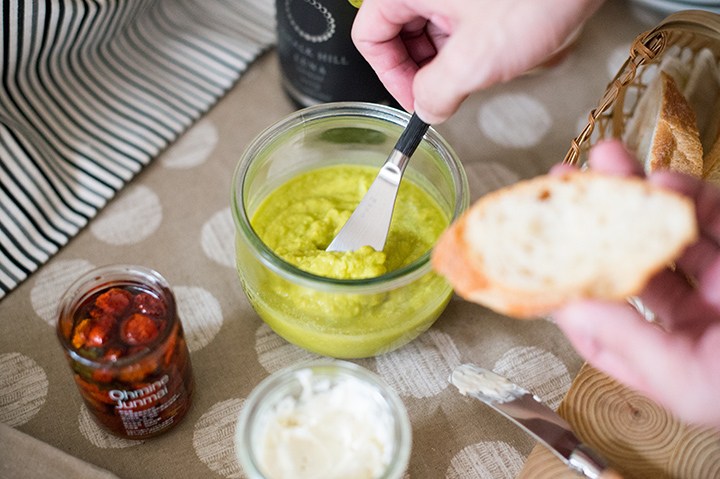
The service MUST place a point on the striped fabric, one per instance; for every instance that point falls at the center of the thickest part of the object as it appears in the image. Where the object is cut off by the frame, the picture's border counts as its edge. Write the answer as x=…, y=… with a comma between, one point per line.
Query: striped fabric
x=91, y=91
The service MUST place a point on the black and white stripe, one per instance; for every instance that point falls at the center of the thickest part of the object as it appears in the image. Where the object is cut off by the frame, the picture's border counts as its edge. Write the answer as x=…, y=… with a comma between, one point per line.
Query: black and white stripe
x=91, y=91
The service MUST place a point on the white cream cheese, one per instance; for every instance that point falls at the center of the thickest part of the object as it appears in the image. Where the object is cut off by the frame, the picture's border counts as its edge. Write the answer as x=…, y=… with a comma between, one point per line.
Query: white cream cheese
x=341, y=429
x=473, y=380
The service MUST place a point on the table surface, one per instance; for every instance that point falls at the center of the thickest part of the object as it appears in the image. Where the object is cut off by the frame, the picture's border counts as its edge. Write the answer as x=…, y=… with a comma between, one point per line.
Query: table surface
x=175, y=217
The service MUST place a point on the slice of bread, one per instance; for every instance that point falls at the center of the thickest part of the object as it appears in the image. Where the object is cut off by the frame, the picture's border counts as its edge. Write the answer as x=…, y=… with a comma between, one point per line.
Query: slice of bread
x=641, y=124
x=526, y=249
x=702, y=90
x=711, y=171
x=673, y=140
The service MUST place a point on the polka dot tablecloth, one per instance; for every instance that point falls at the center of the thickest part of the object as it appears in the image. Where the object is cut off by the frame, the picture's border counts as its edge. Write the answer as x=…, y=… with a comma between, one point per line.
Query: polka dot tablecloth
x=175, y=217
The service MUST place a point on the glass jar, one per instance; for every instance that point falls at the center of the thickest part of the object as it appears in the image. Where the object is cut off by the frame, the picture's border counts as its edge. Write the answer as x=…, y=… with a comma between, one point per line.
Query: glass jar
x=119, y=329
x=318, y=60
x=331, y=419
x=342, y=318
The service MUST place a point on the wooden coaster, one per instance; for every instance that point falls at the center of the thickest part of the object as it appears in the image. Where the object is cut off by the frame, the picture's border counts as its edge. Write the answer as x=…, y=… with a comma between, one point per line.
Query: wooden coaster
x=637, y=437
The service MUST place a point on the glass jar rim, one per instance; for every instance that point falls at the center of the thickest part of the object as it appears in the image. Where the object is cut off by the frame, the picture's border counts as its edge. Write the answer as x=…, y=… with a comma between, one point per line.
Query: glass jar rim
x=340, y=368
x=107, y=276
x=278, y=265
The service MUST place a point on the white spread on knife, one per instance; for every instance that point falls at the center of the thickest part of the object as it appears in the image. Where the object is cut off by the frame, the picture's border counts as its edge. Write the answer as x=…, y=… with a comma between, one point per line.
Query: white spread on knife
x=340, y=429
x=473, y=380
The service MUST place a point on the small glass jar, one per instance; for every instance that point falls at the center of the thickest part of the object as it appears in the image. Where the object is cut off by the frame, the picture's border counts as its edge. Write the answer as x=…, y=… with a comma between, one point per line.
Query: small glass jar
x=342, y=318
x=330, y=419
x=119, y=329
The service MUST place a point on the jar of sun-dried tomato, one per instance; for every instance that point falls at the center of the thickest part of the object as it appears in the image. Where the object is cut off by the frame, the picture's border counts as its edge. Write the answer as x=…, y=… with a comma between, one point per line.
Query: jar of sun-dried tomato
x=121, y=334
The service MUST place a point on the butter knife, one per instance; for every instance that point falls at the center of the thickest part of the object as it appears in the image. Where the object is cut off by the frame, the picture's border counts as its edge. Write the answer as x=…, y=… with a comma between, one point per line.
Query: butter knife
x=370, y=222
x=527, y=411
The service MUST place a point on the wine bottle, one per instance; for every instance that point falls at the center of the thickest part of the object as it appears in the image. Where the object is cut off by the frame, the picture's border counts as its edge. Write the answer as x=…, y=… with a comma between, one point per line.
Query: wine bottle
x=318, y=60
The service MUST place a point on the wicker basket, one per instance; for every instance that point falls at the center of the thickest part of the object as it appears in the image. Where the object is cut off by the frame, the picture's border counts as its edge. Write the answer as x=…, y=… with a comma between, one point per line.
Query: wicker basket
x=687, y=31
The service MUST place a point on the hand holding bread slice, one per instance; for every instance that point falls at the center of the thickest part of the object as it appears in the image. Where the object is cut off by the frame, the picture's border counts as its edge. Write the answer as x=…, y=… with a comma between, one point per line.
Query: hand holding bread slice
x=531, y=247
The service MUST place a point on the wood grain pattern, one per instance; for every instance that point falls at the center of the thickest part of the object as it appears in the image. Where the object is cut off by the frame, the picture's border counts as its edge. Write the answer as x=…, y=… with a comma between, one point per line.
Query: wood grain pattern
x=638, y=438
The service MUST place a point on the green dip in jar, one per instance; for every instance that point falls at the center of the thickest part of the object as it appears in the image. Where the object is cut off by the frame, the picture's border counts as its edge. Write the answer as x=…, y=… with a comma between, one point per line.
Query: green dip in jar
x=298, y=220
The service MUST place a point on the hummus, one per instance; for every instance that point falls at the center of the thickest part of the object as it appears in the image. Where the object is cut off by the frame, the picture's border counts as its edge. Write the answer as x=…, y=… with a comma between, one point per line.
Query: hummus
x=300, y=218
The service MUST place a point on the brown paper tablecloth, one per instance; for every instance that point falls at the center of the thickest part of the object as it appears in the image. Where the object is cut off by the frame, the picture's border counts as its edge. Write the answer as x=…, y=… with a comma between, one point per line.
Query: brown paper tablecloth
x=175, y=217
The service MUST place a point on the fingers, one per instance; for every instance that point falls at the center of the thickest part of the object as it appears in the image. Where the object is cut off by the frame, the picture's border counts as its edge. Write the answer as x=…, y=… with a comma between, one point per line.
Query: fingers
x=674, y=370
x=702, y=260
x=378, y=32
x=705, y=195
x=438, y=89
x=611, y=156
x=475, y=44
x=678, y=306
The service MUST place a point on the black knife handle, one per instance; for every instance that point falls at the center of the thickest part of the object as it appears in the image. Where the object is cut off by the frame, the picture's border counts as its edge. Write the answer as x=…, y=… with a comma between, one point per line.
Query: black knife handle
x=411, y=136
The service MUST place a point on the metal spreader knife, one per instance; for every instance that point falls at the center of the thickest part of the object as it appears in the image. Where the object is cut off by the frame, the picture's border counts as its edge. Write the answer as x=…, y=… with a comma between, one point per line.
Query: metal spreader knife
x=527, y=411
x=370, y=222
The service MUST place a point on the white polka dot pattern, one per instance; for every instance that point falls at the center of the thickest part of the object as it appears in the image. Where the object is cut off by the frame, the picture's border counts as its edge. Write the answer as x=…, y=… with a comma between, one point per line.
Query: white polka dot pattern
x=200, y=315
x=23, y=388
x=98, y=437
x=538, y=371
x=193, y=148
x=422, y=367
x=218, y=238
x=214, y=438
x=130, y=219
x=274, y=353
x=514, y=120
x=52, y=282
x=486, y=460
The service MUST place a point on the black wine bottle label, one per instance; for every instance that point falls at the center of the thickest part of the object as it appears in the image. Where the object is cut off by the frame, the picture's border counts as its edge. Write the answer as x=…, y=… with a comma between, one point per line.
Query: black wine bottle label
x=318, y=60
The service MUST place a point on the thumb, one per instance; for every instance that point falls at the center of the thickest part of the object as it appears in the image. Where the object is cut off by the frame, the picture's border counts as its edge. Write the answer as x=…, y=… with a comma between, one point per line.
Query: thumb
x=615, y=339
x=441, y=85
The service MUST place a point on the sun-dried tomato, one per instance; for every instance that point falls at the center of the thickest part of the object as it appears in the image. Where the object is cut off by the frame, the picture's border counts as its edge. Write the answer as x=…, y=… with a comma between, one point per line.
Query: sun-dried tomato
x=97, y=336
x=93, y=391
x=148, y=304
x=114, y=301
x=103, y=375
x=139, y=329
x=113, y=354
x=133, y=373
x=170, y=348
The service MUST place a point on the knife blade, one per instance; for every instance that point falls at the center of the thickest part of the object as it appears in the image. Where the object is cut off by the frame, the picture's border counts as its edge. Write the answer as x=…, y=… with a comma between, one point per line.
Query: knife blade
x=369, y=223
x=533, y=416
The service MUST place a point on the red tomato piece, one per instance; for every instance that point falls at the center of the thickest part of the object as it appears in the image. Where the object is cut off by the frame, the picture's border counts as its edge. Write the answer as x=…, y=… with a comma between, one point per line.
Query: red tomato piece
x=113, y=354
x=101, y=331
x=114, y=301
x=97, y=336
x=148, y=304
x=139, y=329
x=102, y=375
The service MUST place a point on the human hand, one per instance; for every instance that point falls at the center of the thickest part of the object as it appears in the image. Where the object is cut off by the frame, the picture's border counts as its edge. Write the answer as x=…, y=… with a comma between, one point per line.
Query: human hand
x=431, y=55
x=673, y=362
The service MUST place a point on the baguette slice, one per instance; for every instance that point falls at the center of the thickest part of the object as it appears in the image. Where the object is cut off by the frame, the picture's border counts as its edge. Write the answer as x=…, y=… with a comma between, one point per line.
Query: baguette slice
x=702, y=92
x=663, y=133
x=527, y=249
x=711, y=171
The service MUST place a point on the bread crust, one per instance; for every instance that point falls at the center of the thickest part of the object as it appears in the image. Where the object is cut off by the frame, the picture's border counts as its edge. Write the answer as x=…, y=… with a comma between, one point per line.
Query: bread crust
x=676, y=142
x=461, y=257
